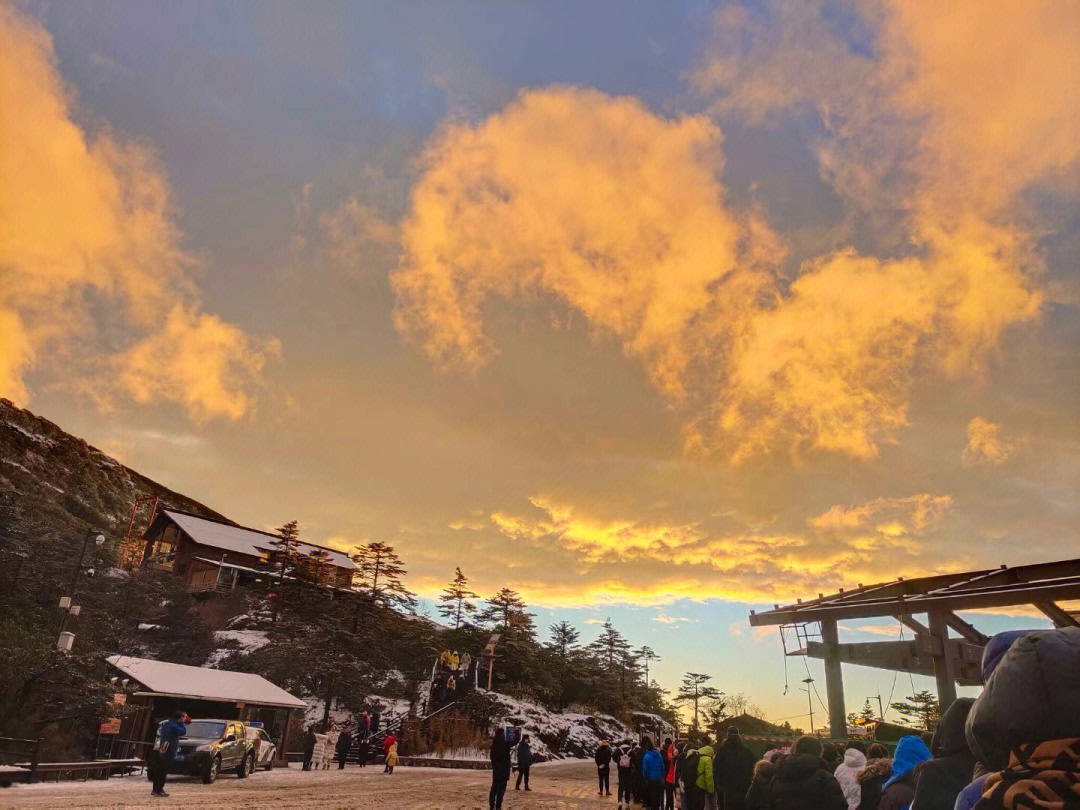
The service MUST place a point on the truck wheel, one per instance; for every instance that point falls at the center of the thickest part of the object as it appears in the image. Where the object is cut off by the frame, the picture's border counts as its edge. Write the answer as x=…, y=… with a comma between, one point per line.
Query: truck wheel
x=211, y=774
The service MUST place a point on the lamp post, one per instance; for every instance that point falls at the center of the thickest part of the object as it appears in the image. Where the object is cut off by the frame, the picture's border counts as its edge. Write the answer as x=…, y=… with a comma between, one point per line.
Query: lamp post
x=99, y=541
x=809, y=700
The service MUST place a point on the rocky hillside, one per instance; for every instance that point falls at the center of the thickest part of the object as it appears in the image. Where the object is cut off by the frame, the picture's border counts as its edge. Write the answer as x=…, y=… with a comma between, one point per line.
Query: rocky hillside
x=54, y=485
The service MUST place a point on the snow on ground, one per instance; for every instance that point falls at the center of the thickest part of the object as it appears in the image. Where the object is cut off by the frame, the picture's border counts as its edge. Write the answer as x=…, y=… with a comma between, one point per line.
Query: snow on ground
x=391, y=709
x=236, y=641
x=564, y=785
x=557, y=735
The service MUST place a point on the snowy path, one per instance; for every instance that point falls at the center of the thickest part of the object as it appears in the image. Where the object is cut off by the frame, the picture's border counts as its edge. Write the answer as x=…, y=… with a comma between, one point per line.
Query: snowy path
x=564, y=785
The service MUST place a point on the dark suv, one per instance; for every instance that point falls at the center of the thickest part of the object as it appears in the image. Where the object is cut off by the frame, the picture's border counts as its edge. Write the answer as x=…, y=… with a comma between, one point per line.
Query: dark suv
x=212, y=747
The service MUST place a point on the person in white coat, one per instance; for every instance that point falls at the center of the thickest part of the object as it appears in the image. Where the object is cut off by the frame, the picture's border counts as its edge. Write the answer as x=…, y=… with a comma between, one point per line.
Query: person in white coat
x=328, y=749
x=846, y=771
x=320, y=749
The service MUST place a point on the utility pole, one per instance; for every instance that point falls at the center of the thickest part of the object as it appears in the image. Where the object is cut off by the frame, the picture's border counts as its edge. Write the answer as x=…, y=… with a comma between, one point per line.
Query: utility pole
x=808, y=681
x=880, y=711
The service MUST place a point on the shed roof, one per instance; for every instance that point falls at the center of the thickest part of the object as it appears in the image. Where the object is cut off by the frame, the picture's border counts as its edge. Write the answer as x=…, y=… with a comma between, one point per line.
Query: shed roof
x=201, y=683
x=242, y=540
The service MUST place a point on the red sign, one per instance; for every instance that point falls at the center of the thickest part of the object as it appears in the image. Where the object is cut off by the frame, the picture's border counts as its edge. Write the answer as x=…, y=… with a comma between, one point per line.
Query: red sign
x=110, y=726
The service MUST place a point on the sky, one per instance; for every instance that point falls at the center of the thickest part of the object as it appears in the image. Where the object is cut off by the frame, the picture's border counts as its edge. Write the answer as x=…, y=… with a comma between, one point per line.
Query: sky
x=653, y=311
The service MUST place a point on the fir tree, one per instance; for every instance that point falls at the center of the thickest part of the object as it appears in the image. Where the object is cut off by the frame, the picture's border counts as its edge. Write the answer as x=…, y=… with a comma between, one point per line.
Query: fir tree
x=456, y=600
x=564, y=640
x=609, y=648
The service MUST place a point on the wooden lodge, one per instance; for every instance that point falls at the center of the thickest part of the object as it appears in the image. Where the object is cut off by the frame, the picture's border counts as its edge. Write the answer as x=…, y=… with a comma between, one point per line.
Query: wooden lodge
x=217, y=556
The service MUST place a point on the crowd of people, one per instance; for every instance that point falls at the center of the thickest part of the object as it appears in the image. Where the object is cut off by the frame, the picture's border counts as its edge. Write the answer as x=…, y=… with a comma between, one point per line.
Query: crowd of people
x=1015, y=746
x=323, y=747
x=454, y=674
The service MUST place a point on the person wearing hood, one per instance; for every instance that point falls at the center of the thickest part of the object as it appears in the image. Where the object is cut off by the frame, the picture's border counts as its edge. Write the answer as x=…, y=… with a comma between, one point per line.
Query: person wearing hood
x=801, y=781
x=757, y=797
x=704, y=780
x=846, y=772
x=899, y=789
x=652, y=772
x=943, y=777
x=524, y=762
x=624, y=769
x=693, y=796
x=1025, y=726
x=500, y=769
x=733, y=770
x=871, y=778
x=671, y=765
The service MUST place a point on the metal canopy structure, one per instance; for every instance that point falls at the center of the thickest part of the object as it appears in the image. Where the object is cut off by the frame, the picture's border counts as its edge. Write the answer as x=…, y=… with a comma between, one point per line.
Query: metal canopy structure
x=932, y=651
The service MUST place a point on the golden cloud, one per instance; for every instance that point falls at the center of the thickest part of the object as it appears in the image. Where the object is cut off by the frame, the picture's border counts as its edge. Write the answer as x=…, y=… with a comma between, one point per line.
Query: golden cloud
x=92, y=273
x=985, y=443
x=616, y=212
x=587, y=558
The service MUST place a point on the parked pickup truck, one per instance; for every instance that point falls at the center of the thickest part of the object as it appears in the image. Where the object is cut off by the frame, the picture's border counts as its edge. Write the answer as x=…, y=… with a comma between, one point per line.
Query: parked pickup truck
x=213, y=747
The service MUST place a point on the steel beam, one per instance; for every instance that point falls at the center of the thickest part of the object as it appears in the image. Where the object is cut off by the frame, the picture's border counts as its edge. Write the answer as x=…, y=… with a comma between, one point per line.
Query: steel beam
x=834, y=680
x=1057, y=614
x=944, y=669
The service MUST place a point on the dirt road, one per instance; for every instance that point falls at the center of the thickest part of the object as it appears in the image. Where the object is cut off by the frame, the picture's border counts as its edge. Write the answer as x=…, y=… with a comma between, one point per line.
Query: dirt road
x=563, y=785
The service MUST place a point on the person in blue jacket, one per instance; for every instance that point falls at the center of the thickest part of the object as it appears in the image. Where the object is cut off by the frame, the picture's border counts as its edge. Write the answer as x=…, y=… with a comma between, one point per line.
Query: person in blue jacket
x=168, y=742
x=652, y=772
x=899, y=789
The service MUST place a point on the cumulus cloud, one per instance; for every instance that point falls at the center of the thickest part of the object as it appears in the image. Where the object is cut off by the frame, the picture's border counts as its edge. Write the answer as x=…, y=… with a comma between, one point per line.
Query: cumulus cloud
x=986, y=443
x=617, y=212
x=94, y=283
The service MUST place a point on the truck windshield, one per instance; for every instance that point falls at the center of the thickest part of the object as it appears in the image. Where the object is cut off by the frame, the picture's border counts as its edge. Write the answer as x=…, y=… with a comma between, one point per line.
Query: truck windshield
x=205, y=729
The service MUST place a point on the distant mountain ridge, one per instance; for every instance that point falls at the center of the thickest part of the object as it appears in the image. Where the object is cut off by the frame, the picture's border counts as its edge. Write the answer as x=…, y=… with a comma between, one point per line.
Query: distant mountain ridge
x=54, y=485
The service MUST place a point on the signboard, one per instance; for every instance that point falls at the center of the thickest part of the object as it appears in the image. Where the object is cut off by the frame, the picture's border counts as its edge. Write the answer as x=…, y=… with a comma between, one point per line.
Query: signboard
x=119, y=698
x=511, y=735
x=110, y=726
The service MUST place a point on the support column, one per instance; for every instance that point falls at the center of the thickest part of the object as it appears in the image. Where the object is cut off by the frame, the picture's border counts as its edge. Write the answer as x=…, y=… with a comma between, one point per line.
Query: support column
x=944, y=665
x=834, y=680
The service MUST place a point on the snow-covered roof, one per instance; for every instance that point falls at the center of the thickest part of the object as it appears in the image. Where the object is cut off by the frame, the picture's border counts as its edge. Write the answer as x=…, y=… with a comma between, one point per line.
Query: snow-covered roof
x=242, y=540
x=179, y=680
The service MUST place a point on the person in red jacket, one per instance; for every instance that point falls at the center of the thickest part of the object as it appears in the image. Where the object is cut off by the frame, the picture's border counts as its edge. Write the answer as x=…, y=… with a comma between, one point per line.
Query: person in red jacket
x=387, y=744
x=670, y=757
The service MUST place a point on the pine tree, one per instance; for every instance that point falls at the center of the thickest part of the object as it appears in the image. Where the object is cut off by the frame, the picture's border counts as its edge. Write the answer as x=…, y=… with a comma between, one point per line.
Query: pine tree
x=456, y=600
x=379, y=580
x=564, y=639
x=318, y=560
x=505, y=610
x=922, y=708
x=646, y=655
x=693, y=690
x=609, y=648
x=286, y=549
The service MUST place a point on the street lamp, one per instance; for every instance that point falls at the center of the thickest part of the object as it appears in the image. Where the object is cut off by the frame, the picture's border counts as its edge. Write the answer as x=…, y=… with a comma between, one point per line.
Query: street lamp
x=99, y=541
x=808, y=681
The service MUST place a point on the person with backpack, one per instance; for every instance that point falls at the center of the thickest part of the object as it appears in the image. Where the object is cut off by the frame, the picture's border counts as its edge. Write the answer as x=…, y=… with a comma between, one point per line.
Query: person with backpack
x=693, y=796
x=652, y=775
x=603, y=767
x=625, y=772
x=705, y=779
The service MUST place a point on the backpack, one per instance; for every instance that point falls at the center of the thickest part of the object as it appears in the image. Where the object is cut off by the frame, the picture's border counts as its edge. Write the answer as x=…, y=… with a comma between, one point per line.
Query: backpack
x=624, y=759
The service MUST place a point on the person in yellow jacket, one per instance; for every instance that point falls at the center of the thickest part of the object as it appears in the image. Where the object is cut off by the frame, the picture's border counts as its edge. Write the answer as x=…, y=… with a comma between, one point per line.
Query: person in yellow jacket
x=705, y=776
x=391, y=759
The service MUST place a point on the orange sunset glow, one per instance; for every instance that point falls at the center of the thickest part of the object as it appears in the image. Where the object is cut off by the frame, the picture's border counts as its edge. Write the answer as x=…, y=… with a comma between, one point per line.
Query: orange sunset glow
x=661, y=314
